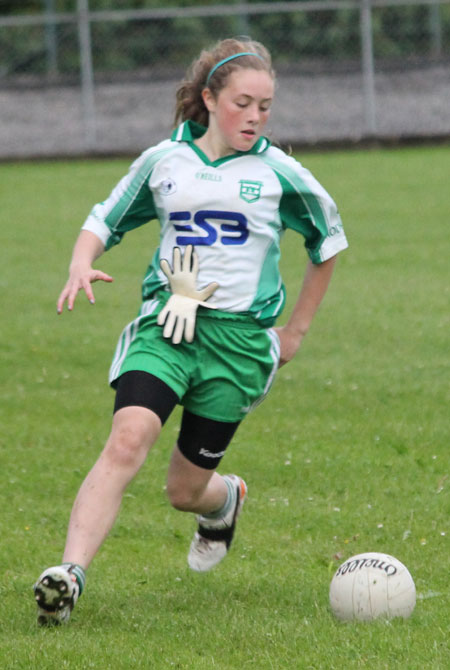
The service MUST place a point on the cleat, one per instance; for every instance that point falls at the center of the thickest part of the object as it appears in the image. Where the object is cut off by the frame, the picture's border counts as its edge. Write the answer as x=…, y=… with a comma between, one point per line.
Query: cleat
x=52, y=608
x=213, y=537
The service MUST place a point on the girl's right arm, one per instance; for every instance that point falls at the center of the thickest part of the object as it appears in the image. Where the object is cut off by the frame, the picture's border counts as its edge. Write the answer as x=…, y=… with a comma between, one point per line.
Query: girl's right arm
x=88, y=248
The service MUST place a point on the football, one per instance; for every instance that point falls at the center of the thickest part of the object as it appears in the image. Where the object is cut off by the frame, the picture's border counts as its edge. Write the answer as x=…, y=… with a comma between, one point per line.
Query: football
x=372, y=585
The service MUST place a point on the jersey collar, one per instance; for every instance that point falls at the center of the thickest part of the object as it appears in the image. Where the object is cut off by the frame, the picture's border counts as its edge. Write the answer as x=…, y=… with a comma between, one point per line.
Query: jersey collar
x=190, y=131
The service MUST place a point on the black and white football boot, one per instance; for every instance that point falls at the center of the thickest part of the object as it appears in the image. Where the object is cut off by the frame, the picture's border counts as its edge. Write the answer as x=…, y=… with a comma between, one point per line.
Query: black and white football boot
x=213, y=537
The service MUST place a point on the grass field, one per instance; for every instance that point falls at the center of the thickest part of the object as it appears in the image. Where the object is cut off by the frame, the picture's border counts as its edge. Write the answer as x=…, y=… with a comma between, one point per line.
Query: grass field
x=349, y=453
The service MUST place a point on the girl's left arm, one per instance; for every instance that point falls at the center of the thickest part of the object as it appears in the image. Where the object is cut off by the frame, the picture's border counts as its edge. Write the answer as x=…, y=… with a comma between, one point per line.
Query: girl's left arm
x=315, y=284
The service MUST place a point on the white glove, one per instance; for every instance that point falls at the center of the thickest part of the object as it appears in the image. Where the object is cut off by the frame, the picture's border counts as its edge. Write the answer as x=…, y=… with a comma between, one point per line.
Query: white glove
x=179, y=314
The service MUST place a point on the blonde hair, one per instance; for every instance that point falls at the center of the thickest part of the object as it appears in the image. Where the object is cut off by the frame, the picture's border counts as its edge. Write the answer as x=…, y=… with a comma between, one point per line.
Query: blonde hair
x=189, y=101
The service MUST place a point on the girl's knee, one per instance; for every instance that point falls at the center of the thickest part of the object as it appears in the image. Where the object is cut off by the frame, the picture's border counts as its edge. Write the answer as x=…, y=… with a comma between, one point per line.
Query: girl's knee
x=125, y=446
x=130, y=439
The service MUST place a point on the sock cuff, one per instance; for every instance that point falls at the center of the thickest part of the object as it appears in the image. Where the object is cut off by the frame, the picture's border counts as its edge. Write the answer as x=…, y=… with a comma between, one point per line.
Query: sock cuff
x=229, y=502
x=79, y=573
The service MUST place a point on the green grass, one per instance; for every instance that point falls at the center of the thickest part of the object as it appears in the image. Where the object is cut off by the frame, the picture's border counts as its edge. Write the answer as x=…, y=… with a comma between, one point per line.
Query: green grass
x=349, y=453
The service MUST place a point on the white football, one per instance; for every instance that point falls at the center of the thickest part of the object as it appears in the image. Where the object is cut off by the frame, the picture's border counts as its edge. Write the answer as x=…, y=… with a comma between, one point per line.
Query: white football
x=372, y=585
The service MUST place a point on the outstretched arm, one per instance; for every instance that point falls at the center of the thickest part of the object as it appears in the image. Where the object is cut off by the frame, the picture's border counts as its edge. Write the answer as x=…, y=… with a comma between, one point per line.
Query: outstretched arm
x=87, y=248
x=314, y=287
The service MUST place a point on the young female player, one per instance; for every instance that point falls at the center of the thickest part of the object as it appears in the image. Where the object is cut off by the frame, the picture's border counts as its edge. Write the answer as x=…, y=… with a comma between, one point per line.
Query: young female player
x=223, y=197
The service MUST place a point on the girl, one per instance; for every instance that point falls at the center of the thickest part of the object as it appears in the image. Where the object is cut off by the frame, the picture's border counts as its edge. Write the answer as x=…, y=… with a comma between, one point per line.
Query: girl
x=223, y=197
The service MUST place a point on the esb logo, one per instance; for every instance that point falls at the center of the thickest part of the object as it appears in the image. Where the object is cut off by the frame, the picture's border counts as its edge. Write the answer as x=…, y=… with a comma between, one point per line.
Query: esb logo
x=207, y=226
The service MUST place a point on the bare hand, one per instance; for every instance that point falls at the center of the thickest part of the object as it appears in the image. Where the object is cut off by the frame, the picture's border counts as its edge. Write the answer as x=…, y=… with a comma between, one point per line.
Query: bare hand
x=80, y=279
x=289, y=344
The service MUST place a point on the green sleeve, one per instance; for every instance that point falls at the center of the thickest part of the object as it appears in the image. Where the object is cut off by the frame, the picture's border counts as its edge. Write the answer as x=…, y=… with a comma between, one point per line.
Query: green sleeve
x=130, y=204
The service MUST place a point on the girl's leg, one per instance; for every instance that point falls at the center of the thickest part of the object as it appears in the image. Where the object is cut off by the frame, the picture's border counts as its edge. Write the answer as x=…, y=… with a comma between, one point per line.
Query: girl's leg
x=194, y=486
x=134, y=431
x=143, y=403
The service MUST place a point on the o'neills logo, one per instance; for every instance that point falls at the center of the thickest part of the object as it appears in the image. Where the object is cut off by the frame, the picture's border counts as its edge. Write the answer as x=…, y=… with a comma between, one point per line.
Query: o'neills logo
x=360, y=563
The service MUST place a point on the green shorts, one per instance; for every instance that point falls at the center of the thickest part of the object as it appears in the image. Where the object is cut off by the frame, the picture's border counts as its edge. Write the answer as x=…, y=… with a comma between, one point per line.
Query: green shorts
x=222, y=375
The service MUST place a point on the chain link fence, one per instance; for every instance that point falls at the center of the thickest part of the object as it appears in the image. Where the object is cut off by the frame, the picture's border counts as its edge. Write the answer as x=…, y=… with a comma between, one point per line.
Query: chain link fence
x=98, y=76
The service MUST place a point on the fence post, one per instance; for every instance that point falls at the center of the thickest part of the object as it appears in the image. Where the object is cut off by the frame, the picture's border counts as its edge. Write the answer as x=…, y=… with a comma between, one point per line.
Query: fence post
x=87, y=74
x=51, y=46
x=368, y=69
x=436, y=30
x=242, y=19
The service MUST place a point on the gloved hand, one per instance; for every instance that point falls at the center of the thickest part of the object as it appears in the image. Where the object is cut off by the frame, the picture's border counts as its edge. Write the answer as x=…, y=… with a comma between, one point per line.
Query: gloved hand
x=179, y=314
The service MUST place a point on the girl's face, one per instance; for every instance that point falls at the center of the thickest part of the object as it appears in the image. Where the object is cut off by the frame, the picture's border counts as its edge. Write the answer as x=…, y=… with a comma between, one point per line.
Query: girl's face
x=238, y=115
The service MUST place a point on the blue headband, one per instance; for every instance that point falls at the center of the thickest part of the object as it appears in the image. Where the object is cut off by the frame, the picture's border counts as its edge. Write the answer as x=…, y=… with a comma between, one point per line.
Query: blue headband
x=225, y=60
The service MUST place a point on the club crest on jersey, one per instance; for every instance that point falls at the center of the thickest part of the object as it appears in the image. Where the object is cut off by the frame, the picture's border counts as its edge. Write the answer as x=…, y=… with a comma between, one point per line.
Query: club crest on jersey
x=168, y=186
x=250, y=190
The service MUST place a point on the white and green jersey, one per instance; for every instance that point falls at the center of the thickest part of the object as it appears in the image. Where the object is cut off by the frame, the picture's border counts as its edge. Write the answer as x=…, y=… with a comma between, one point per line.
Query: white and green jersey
x=234, y=211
